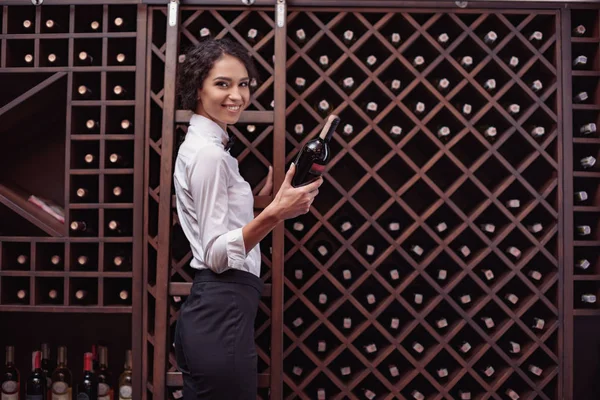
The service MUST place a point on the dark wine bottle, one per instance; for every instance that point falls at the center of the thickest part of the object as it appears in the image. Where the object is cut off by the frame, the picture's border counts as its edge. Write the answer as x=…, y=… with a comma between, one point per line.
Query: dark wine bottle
x=312, y=158
x=87, y=389
x=9, y=383
x=105, y=386
x=47, y=366
x=36, y=383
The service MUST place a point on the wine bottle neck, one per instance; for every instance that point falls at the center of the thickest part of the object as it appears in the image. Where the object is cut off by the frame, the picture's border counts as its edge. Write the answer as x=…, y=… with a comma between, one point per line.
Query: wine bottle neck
x=330, y=125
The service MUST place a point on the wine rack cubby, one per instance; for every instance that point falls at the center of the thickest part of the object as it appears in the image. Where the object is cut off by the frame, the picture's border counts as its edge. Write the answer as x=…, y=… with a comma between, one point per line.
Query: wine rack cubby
x=71, y=75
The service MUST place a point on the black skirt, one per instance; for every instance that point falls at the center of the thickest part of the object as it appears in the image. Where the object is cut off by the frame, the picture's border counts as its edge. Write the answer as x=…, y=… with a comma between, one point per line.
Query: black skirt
x=214, y=337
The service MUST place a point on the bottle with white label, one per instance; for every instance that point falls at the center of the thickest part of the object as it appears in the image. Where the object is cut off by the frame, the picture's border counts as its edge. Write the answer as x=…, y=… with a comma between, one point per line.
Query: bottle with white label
x=125, y=380
x=62, y=379
x=105, y=390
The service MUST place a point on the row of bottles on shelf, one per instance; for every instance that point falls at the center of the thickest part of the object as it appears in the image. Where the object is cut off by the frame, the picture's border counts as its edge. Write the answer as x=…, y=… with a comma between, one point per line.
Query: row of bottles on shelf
x=418, y=297
x=50, y=292
x=49, y=380
x=395, y=84
x=20, y=256
x=118, y=92
x=86, y=155
x=464, y=394
x=120, y=259
x=92, y=126
x=85, y=226
x=52, y=25
x=395, y=130
x=57, y=57
x=346, y=226
x=349, y=36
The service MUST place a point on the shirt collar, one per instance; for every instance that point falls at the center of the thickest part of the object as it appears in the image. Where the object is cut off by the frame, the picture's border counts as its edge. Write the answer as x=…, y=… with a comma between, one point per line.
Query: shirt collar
x=208, y=128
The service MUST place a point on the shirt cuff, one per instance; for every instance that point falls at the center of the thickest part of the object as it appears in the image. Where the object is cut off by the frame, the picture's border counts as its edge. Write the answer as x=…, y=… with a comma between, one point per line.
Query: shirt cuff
x=236, y=250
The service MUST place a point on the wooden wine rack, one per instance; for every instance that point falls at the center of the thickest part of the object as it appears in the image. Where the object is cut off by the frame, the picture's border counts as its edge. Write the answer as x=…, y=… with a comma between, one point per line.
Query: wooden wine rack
x=48, y=129
x=343, y=345
x=578, y=280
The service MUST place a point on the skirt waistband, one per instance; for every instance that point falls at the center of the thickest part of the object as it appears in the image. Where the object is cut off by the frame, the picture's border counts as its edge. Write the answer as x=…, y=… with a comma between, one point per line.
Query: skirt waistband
x=230, y=276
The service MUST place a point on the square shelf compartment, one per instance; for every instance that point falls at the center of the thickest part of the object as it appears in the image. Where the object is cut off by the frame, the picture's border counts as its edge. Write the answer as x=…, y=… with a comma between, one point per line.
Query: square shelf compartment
x=20, y=53
x=588, y=19
x=83, y=292
x=84, y=257
x=49, y=291
x=86, y=86
x=84, y=189
x=119, y=154
x=16, y=256
x=120, y=86
x=587, y=226
x=83, y=223
x=86, y=120
x=120, y=120
x=586, y=295
x=15, y=290
x=55, y=19
x=87, y=52
x=118, y=188
x=122, y=18
x=85, y=154
x=117, y=292
x=117, y=257
x=54, y=52
x=121, y=51
x=118, y=222
x=89, y=19
x=50, y=256
x=21, y=20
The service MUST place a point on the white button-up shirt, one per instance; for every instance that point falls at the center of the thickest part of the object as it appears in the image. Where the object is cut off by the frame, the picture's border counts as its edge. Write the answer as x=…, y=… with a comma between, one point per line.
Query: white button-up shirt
x=214, y=202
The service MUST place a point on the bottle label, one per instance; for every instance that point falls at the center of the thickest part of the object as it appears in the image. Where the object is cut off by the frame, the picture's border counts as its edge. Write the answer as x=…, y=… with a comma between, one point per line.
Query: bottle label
x=317, y=169
x=83, y=396
x=34, y=397
x=9, y=387
x=61, y=391
x=125, y=392
x=103, y=391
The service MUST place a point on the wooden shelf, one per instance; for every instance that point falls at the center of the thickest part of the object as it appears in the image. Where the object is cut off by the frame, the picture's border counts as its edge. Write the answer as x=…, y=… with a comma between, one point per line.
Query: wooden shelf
x=66, y=309
x=586, y=313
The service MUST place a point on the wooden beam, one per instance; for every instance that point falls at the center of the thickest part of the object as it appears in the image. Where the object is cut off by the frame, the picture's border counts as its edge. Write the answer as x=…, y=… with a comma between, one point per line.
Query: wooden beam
x=161, y=321
x=16, y=200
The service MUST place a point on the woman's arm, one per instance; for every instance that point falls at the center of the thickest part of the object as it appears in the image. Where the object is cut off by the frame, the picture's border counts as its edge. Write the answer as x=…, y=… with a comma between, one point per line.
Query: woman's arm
x=288, y=203
x=208, y=181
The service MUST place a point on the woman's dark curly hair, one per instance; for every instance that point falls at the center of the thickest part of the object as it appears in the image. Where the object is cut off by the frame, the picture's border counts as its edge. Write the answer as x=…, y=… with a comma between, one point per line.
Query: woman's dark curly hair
x=198, y=62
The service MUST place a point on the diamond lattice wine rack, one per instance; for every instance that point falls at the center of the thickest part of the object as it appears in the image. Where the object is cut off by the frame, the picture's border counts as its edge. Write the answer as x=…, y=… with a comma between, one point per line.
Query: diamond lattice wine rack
x=428, y=265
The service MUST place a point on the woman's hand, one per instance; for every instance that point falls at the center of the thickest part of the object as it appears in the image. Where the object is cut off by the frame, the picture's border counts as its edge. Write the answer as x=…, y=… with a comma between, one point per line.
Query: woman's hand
x=268, y=188
x=290, y=202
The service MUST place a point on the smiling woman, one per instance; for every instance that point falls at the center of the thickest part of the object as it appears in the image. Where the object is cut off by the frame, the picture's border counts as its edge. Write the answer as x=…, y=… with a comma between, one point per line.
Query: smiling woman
x=214, y=339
